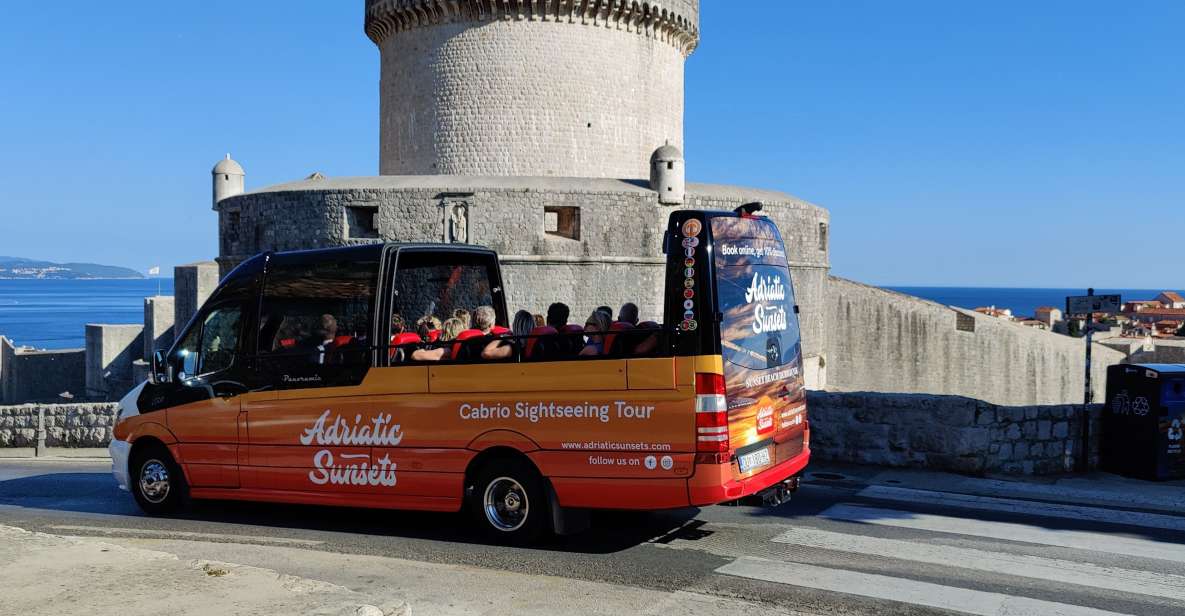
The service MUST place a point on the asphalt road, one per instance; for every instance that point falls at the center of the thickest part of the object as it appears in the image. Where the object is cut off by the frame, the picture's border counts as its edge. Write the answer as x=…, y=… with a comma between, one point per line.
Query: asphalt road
x=836, y=548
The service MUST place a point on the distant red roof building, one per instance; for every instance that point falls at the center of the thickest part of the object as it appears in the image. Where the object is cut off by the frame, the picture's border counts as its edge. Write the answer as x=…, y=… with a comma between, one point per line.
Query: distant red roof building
x=1171, y=299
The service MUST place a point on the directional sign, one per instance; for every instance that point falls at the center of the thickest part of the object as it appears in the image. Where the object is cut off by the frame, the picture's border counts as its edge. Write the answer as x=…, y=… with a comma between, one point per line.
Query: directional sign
x=1087, y=304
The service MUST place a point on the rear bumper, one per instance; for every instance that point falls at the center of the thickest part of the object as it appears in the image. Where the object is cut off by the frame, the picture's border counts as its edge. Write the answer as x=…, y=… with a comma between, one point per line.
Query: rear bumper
x=714, y=483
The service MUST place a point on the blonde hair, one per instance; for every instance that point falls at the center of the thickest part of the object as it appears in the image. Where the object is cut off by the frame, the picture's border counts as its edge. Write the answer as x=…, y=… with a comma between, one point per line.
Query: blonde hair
x=452, y=328
x=483, y=318
x=463, y=315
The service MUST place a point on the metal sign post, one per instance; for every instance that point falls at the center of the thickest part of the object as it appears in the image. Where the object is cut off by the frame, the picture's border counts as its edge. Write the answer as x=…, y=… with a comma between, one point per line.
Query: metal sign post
x=1090, y=304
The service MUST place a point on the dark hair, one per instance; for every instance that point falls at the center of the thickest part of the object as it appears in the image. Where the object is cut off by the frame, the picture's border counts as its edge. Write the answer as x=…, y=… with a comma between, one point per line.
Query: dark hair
x=557, y=315
x=523, y=323
x=607, y=310
x=628, y=313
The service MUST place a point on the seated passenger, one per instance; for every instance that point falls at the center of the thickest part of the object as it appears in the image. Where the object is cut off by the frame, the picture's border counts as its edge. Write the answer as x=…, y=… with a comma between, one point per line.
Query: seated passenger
x=503, y=348
x=594, y=331
x=440, y=351
x=628, y=313
x=428, y=327
x=327, y=339
x=484, y=319
x=649, y=344
x=464, y=316
x=557, y=315
x=539, y=320
x=608, y=312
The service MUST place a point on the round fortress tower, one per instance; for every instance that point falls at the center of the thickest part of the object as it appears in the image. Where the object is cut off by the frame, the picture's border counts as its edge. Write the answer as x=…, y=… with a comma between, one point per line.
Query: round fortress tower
x=567, y=88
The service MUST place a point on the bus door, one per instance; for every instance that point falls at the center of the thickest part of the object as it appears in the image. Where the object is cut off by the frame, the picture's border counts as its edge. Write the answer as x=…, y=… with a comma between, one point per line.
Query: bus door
x=315, y=348
x=760, y=343
x=204, y=405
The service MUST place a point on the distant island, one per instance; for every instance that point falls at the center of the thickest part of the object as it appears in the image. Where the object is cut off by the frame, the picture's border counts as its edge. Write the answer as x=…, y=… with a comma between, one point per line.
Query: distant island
x=16, y=268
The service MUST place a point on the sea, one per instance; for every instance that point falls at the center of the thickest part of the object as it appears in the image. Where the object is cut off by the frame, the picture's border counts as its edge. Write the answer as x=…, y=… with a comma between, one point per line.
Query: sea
x=52, y=314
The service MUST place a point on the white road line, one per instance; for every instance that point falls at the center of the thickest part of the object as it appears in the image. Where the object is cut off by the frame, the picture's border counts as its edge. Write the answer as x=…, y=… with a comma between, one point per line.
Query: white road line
x=901, y=590
x=1081, y=540
x=1051, y=569
x=1051, y=510
x=171, y=534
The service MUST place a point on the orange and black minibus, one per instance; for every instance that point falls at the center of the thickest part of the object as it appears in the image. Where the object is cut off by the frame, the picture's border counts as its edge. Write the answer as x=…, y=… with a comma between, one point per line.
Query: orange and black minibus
x=346, y=377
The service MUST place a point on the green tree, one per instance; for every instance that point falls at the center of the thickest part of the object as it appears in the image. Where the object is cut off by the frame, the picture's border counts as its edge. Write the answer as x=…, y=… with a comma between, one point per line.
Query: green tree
x=1181, y=332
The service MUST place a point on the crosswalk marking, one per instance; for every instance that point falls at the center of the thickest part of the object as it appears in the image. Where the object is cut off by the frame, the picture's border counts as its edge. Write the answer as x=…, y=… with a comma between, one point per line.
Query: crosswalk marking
x=901, y=590
x=1055, y=570
x=1053, y=510
x=1082, y=540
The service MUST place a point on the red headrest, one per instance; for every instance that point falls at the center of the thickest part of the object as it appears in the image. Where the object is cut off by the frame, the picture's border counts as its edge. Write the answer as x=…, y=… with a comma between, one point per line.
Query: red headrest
x=649, y=325
x=538, y=331
x=468, y=334
x=434, y=335
x=288, y=343
x=620, y=326
x=617, y=326
x=343, y=340
x=405, y=338
x=498, y=330
x=573, y=328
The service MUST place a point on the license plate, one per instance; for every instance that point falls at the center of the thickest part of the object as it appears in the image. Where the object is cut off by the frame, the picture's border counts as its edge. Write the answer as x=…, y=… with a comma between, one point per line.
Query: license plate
x=753, y=460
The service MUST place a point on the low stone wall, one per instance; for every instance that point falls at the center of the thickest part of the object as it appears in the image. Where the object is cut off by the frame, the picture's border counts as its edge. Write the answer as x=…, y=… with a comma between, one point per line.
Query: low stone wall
x=66, y=425
x=946, y=433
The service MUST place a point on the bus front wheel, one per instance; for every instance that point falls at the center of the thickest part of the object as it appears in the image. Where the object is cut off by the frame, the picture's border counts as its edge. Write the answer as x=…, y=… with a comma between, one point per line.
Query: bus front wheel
x=509, y=503
x=156, y=480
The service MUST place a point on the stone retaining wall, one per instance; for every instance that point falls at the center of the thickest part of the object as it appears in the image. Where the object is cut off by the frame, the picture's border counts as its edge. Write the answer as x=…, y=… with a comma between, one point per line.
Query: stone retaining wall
x=66, y=425
x=946, y=433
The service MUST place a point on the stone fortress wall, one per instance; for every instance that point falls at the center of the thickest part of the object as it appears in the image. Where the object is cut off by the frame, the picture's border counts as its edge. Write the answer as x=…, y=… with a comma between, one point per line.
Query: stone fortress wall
x=884, y=341
x=524, y=88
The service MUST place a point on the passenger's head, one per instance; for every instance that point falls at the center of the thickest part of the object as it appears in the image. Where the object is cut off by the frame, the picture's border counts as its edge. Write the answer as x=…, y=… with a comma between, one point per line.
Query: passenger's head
x=557, y=315
x=607, y=310
x=523, y=323
x=463, y=316
x=398, y=326
x=597, y=323
x=483, y=318
x=539, y=320
x=628, y=313
x=452, y=328
x=328, y=327
x=427, y=324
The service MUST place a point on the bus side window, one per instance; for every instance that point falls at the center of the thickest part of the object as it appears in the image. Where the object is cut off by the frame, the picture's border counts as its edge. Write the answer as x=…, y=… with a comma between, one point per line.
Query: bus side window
x=316, y=322
x=437, y=284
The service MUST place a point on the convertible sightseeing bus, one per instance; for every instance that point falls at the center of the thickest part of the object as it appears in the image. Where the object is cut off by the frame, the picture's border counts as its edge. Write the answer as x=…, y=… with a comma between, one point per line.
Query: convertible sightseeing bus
x=321, y=377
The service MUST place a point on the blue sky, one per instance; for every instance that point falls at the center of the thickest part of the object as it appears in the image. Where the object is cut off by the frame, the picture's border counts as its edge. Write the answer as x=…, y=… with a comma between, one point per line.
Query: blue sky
x=1000, y=143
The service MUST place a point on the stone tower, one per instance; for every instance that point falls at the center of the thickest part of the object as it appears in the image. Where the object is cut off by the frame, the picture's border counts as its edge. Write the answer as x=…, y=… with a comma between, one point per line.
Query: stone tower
x=569, y=88
x=228, y=179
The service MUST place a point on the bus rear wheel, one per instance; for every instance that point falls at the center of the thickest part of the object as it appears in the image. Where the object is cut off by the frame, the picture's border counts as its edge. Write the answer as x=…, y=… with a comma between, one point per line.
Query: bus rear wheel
x=508, y=502
x=157, y=481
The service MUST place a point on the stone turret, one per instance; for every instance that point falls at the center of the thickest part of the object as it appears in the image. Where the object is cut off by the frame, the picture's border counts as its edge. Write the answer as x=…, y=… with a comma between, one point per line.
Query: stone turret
x=668, y=175
x=228, y=179
x=573, y=88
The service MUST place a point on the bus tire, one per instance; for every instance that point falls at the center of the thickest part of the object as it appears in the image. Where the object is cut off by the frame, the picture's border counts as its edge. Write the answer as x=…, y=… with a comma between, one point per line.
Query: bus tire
x=157, y=482
x=508, y=502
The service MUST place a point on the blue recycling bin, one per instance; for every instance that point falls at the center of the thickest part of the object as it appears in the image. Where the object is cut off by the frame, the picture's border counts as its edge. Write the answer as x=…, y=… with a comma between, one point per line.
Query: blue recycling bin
x=1143, y=422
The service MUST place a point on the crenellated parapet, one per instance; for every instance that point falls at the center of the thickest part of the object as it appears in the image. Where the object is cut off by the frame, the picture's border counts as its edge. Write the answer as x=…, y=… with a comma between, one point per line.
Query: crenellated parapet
x=672, y=21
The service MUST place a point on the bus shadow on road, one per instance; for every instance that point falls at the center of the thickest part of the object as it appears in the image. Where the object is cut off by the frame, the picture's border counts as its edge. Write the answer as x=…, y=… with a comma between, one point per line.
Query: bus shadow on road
x=96, y=493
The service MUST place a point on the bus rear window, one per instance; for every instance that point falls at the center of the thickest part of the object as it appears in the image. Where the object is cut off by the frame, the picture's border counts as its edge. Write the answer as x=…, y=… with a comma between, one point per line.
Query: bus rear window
x=754, y=294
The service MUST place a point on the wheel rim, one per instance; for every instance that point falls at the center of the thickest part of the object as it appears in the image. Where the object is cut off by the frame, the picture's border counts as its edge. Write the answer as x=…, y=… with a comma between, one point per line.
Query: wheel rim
x=506, y=504
x=154, y=481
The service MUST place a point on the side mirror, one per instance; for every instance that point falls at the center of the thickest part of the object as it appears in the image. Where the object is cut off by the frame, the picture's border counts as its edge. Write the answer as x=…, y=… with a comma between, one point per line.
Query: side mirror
x=162, y=371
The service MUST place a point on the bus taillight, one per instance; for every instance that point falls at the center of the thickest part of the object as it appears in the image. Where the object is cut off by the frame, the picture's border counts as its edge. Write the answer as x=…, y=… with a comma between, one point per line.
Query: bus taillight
x=711, y=414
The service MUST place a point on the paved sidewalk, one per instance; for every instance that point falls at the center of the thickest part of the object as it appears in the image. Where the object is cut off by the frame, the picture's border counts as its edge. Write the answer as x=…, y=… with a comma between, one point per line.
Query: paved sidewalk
x=59, y=575
x=1096, y=489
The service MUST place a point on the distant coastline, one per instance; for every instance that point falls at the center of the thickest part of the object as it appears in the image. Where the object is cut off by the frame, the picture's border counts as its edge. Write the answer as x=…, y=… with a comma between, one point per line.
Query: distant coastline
x=18, y=268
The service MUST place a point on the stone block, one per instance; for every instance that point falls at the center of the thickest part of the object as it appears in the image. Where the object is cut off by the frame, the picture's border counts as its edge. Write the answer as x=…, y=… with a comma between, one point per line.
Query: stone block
x=1005, y=452
x=110, y=350
x=1044, y=429
x=1031, y=412
x=192, y=285
x=1013, y=432
x=159, y=315
x=1061, y=429
x=1029, y=429
x=1020, y=451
